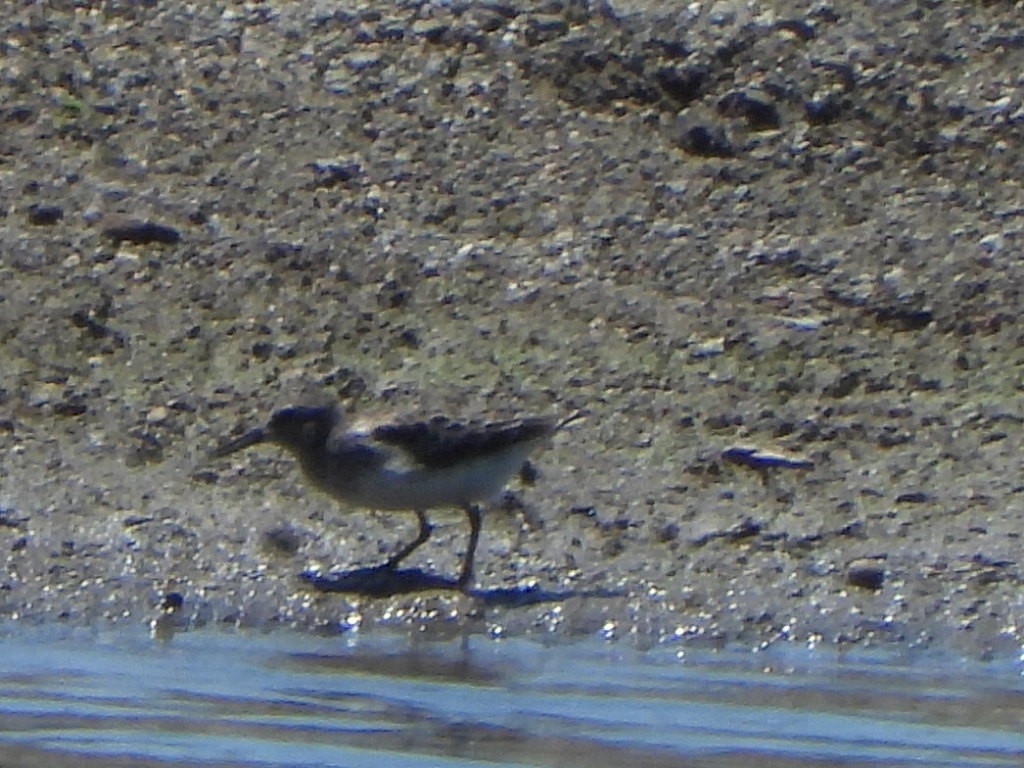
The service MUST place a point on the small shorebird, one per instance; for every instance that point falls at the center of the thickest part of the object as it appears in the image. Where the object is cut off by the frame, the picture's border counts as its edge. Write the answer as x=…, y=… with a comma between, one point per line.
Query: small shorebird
x=414, y=467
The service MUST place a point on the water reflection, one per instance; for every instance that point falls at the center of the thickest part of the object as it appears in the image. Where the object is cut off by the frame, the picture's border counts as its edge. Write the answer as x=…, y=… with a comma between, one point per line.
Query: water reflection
x=378, y=581
x=377, y=699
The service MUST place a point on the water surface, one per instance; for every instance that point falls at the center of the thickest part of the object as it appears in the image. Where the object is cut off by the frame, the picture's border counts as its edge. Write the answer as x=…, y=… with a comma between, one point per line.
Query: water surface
x=377, y=699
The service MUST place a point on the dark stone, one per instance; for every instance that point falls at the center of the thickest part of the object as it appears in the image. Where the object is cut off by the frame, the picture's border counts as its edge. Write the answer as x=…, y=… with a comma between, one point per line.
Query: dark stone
x=890, y=438
x=760, y=115
x=846, y=385
x=409, y=338
x=172, y=601
x=706, y=142
x=142, y=232
x=823, y=111
x=866, y=574
x=262, y=350
x=332, y=174
x=148, y=450
x=71, y=406
x=914, y=497
x=282, y=539
x=667, y=533
x=544, y=28
x=528, y=473
x=16, y=113
x=744, y=529
x=40, y=214
x=91, y=321
x=392, y=296
x=905, y=318
x=682, y=86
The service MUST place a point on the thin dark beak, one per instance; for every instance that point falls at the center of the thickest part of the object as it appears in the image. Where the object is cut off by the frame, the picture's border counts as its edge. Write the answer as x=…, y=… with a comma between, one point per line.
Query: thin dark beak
x=249, y=438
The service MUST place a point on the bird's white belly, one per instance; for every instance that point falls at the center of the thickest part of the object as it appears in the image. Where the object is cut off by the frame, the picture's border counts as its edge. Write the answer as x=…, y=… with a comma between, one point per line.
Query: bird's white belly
x=480, y=480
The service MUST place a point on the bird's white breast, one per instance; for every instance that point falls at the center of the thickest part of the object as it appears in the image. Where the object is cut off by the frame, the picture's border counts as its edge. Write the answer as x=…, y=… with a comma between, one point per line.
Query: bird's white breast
x=425, y=488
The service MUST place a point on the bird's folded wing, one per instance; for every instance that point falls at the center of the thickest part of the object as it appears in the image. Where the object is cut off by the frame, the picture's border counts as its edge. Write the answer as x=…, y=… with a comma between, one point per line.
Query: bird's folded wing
x=442, y=442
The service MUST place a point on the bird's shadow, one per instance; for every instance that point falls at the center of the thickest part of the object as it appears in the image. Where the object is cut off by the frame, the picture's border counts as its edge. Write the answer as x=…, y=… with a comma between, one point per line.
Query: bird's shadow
x=381, y=581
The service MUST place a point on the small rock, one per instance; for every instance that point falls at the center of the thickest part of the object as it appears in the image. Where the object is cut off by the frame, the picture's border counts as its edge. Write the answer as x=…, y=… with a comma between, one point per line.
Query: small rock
x=409, y=338
x=262, y=350
x=528, y=473
x=760, y=115
x=148, y=450
x=140, y=232
x=173, y=601
x=903, y=314
x=42, y=215
x=866, y=573
x=797, y=27
x=16, y=113
x=744, y=529
x=431, y=29
x=667, y=533
x=157, y=415
x=330, y=173
x=360, y=62
x=913, y=497
x=682, y=85
x=991, y=243
x=824, y=111
x=283, y=539
x=488, y=21
x=72, y=405
x=544, y=27
x=706, y=142
x=207, y=476
x=708, y=348
x=890, y=438
x=722, y=13
x=46, y=392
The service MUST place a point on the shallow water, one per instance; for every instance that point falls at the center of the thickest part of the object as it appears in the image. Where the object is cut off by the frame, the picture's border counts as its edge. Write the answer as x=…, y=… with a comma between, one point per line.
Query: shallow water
x=378, y=699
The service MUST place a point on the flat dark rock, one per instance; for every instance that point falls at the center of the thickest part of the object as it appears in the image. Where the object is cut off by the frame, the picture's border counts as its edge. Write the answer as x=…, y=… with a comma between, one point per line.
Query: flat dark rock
x=142, y=232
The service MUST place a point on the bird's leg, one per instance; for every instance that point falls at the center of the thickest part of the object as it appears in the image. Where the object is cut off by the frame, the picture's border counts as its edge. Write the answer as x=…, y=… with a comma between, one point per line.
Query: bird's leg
x=473, y=513
x=404, y=552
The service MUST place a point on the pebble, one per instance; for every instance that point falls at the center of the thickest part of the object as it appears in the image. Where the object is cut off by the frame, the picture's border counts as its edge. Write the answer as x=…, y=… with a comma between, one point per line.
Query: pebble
x=157, y=415
x=866, y=573
x=140, y=232
x=41, y=215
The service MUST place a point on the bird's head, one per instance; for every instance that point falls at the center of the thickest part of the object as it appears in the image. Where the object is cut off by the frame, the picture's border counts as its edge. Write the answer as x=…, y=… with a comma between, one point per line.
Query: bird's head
x=302, y=429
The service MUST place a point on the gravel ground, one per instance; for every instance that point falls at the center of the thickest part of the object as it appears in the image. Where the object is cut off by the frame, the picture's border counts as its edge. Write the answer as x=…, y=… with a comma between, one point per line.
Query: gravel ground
x=791, y=227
